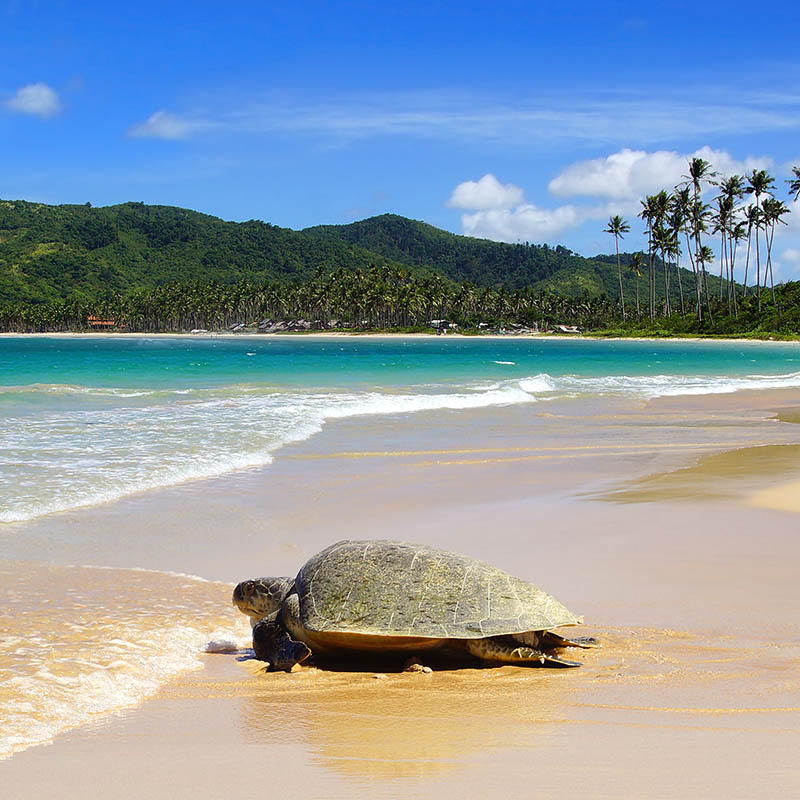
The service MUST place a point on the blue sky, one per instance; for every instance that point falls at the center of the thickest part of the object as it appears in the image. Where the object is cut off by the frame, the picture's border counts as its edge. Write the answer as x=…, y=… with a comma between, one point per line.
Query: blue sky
x=516, y=121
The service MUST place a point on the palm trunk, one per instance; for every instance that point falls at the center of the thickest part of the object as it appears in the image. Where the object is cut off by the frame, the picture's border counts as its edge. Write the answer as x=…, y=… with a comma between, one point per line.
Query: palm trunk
x=619, y=275
x=650, y=310
x=695, y=271
x=746, y=263
x=769, y=263
x=758, y=270
x=732, y=246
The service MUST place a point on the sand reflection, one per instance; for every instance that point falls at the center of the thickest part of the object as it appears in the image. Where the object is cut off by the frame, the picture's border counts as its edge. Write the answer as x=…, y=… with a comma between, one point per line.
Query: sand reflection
x=407, y=725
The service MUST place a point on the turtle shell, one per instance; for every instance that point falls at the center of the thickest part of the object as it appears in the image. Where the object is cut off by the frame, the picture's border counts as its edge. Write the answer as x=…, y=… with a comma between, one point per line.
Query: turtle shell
x=388, y=588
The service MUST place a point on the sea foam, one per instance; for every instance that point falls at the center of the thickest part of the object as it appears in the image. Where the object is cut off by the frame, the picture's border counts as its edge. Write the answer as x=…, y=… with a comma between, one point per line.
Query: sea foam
x=70, y=458
x=64, y=447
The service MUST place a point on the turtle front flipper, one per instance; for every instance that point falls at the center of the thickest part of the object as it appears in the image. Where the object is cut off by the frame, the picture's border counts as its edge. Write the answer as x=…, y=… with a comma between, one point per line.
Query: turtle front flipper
x=272, y=644
x=504, y=650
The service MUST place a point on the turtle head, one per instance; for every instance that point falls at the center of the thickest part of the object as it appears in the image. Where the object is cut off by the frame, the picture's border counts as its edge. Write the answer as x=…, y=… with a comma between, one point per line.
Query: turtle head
x=261, y=596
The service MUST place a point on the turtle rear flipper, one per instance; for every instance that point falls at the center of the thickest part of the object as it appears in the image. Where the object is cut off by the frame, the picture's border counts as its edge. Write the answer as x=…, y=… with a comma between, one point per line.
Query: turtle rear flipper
x=550, y=639
x=273, y=644
x=504, y=650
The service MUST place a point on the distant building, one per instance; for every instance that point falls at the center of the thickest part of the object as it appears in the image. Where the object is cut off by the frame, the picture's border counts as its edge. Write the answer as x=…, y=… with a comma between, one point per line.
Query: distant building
x=102, y=324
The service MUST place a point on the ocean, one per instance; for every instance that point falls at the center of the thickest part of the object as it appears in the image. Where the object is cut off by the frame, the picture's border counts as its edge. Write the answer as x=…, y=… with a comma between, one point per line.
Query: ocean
x=89, y=421
x=86, y=421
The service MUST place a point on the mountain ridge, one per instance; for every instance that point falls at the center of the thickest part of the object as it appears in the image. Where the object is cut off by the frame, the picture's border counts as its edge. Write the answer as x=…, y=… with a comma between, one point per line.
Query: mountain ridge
x=50, y=252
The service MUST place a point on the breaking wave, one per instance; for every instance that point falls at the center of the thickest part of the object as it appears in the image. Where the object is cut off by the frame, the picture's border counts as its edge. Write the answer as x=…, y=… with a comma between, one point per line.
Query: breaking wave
x=71, y=457
x=65, y=447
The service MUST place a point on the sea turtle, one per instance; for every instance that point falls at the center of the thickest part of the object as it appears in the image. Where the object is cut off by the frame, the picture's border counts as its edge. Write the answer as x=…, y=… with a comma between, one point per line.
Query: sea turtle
x=378, y=597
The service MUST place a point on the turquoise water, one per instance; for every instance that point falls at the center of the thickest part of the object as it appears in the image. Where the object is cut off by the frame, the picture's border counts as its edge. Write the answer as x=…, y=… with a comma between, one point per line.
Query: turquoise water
x=89, y=420
x=143, y=362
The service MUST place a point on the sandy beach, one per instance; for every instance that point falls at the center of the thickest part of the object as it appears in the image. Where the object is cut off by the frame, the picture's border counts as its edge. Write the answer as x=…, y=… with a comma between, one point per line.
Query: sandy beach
x=669, y=524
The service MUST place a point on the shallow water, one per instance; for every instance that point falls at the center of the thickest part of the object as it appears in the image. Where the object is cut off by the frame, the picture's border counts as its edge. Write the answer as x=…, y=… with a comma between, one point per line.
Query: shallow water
x=88, y=421
x=79, y=642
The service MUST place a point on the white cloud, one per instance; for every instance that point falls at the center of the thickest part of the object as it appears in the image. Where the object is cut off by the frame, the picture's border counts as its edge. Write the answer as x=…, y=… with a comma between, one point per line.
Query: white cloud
x=792, y=220
x=633, y=174
x=791, y=255
x=619, y=181
x=37, y=99
x=526, y=222
x=597, y=118
x=786, y=266
x=486, y=193
x=165, y=125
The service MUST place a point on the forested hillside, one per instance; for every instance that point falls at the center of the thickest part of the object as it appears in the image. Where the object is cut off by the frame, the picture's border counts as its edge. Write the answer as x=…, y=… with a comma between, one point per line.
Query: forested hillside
x=487, y=263
x=56, y=252
x=462, y=258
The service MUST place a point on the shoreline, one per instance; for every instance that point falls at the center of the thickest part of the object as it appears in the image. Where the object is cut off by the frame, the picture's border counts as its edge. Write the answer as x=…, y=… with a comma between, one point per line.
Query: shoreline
x=552, y=337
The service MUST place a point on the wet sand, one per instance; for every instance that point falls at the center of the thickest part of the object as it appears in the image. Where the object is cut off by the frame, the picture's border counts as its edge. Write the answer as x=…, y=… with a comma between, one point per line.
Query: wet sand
x=653, y=520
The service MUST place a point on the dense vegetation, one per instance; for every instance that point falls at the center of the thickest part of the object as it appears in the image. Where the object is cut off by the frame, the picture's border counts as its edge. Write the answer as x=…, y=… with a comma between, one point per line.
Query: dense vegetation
x=50, y=253
x=482, y=262
x=157, y=268
x=382, y=298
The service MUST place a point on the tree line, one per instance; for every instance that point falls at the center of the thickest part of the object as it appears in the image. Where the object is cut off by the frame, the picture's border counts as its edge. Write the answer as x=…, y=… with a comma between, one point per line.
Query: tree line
x=745, y=214
x=378, y=298
x=383, y=298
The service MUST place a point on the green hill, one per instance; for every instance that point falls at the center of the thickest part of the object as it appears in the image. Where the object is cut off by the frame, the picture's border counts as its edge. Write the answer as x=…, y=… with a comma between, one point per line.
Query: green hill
x=55, y=252
x=488, y=263
x=51, y=252
x=459, y=258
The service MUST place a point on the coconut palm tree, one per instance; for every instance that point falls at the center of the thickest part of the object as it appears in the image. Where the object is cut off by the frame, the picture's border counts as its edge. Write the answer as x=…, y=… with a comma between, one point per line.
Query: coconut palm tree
x=794, y=184
x=738, y=233
x=721, y=221
x=675, y=222
x=699, y=213
x=662, y=240
x=617, y=227
x=772, y=211
x=752, y=216
x=759, y=182
x=653, y=213
x=700, y=172
x=731, y=190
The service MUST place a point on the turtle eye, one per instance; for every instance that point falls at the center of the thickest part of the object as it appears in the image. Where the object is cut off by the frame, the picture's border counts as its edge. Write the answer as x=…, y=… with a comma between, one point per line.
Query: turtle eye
x=247, y=589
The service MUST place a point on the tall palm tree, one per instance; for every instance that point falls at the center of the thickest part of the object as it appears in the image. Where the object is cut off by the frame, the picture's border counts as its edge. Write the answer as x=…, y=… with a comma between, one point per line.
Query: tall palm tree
x=759, y=182
x=617, y=227
x=660, y=205
x=722, y=221
x=731, y=190
x=751, y=217
x=662, y=239
x=676, y=222
x=651, y=214
x=772, y=211
x=738, y=233
x=700, y=172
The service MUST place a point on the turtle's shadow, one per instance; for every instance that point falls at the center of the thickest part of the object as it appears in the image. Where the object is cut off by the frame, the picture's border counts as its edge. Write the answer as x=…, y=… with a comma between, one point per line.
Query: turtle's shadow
x=392, y=664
